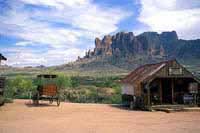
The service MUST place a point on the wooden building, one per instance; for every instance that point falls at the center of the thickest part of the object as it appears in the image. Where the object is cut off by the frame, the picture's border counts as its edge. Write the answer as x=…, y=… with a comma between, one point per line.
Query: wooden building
x=166, y=82
x=2, y=58
x=2, y=84
x=2, y=79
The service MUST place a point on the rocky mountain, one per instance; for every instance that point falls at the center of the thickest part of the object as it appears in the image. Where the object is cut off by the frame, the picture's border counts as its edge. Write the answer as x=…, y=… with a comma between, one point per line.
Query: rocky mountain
x=124, y=50
x=149, y=44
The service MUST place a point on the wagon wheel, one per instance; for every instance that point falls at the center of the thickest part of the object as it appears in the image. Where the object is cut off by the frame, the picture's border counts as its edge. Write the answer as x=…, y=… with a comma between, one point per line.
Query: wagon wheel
x=36, y=98
x=58, y=98
x=58, y=102
x=51, y=100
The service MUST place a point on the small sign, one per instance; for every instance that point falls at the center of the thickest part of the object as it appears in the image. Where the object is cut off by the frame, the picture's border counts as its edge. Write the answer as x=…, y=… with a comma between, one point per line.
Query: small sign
x=175, y=71
x=188, y=99
x=193, y=88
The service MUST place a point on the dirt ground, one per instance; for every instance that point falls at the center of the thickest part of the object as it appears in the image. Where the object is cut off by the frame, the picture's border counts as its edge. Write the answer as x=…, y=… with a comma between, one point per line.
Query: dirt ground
x=22, y=117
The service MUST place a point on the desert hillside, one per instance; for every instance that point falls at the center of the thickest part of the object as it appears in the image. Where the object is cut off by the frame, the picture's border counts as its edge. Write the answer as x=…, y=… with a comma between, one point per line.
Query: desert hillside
x=123, y=52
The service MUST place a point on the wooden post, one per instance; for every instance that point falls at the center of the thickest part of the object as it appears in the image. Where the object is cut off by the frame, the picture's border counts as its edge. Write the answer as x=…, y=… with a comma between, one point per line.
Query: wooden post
x=172, y=90
x=149, y=95
x=160, y=88
x=195, y=99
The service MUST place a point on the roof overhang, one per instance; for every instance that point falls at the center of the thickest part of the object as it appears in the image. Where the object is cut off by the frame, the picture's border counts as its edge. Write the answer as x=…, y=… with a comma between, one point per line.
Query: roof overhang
x=2, y=57
x=47, y=76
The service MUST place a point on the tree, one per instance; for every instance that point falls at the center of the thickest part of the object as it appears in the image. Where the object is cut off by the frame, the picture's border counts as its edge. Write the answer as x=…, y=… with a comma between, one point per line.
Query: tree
x=19, y=87
x=63, y=82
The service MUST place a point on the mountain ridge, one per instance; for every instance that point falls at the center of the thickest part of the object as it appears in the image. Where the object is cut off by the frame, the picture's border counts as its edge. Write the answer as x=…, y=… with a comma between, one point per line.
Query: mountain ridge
x=150, y=43
x=124, y=50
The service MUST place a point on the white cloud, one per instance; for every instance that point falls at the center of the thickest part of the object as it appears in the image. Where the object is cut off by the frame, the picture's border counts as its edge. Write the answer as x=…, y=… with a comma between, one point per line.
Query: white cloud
x=60, y=4
x=87, y=17
x=25, y=43
x=23, y=56
x=172, y=15
x=59, y=25
x=22, y=26
x=80, y=16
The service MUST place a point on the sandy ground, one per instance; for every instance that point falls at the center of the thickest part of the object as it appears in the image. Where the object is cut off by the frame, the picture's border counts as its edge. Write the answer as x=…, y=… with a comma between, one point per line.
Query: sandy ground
x=22, y=117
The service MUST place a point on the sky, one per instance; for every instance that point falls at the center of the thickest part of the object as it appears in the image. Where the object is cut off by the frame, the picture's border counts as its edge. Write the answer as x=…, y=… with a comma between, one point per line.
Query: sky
x=55, y=32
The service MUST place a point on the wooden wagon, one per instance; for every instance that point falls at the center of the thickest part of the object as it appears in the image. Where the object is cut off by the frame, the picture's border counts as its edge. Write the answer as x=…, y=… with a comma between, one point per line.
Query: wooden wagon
x=2, y=85
x=46, y=90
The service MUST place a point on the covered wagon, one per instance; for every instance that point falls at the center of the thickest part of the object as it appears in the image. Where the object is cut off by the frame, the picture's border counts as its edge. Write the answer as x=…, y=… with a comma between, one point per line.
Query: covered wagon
x=46, y=89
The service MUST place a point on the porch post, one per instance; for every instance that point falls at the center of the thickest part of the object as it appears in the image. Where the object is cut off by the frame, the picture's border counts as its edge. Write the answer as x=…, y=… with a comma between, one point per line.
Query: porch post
x=172, y=90
x=160, y=88
x=149, y=95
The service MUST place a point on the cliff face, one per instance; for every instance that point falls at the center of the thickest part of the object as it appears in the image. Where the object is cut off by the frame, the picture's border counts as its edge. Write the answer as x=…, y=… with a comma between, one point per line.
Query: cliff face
x=103, y=47
x=125, y=44
x=149, y=45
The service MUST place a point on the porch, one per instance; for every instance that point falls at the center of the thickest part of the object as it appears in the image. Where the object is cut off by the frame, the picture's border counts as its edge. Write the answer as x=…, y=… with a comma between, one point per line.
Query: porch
x=172, y=91
x=175, y=108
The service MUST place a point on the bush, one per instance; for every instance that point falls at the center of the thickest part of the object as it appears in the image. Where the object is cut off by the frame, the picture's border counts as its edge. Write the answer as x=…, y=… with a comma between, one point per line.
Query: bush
x=74, y=89
x=2, y=100
x=8, y=100
x=75, y=82
x=18, y=87
x=63, y=82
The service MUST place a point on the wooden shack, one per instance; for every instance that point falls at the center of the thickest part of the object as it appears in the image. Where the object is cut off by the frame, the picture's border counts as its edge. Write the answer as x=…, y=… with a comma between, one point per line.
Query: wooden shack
x=2, y=58
x=166, y=82
x=2, y=79
x=2, y=84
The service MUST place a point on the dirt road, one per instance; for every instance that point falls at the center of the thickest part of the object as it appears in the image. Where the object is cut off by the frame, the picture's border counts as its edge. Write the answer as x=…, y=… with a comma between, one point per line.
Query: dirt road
x=21, y=117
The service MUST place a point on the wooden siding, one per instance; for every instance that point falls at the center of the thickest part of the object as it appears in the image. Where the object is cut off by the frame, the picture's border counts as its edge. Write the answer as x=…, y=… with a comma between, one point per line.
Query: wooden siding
x=164, y=72
x=49, y=90
x=138, y=90
x=127, y=89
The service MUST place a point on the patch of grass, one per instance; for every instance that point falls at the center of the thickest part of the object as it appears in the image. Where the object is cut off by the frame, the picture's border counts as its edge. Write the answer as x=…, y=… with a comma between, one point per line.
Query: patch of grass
x=2, y=100
x=86, y=87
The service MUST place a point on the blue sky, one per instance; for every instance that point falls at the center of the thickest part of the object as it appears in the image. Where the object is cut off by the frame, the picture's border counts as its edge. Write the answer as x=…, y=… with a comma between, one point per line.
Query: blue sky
x=54, y=32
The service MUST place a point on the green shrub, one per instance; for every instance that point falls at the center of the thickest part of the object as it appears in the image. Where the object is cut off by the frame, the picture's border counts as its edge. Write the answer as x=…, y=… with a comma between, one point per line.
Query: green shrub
x=74, y=89
x=9, y=91
x=8, y=100
x=75, y=82
x=18, y=87
x=63, y=82
x=2, y=100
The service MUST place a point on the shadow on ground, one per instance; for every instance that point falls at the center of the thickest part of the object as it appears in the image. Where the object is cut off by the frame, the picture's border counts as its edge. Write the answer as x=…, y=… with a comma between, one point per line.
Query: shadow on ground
x=118, y=106
x=121, y=107
x=30, y=104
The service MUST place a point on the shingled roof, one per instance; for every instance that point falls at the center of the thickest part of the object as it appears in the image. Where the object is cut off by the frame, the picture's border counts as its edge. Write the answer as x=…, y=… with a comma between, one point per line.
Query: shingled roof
x=2, y=57
x=144, y=72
